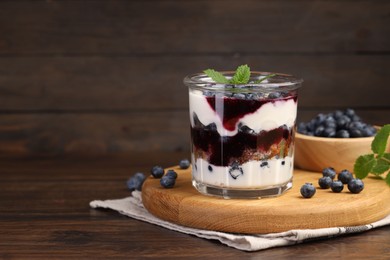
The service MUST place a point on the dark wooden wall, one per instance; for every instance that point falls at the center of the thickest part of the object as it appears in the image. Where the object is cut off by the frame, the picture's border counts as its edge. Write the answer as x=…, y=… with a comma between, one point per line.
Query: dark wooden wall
x=98, y=77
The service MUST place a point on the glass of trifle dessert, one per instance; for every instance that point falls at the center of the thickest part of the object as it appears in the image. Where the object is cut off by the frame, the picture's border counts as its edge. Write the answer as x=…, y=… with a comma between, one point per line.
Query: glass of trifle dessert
x=242, y=132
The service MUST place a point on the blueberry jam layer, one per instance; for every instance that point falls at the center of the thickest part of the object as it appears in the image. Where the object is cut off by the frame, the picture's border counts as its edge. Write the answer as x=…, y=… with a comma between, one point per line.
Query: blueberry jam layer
x=246, y=145
x=232, y=109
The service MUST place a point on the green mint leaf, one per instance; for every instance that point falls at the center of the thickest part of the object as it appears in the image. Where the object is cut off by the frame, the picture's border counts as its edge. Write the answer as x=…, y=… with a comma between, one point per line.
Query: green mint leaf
x=242, y=75
x=388, y=178
x=262, y=79
x=379, y=143
x=363, y=165
x=216, y=76
x=382, y=164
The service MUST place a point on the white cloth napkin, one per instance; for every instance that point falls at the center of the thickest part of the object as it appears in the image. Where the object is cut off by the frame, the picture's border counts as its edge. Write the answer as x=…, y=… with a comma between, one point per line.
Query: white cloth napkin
x=133, y=207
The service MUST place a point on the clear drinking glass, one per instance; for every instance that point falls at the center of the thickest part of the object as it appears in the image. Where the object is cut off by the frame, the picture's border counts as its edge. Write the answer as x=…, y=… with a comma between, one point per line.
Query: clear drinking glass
x=242, y=136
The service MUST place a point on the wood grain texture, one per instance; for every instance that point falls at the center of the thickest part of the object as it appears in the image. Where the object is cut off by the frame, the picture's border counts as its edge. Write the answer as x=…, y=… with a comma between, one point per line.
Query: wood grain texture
x=44, y=214
x=185, y=206
x=104, y=84
x=317, y=153
x=119, y=27
x=72, y=73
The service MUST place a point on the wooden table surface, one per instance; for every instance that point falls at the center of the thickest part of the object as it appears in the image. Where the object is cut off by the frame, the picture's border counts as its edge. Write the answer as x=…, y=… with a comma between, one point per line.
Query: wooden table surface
x=45, y=213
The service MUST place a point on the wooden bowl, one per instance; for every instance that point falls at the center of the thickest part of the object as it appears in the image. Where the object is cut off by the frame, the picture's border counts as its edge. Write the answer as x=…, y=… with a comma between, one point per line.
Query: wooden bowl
x=316, y=153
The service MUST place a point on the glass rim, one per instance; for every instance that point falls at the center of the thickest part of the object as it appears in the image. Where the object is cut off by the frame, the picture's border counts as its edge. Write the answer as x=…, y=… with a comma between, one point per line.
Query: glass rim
x=279, y=82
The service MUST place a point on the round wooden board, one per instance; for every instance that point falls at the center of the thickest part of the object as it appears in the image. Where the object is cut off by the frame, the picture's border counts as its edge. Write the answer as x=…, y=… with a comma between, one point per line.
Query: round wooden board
x=185, y=206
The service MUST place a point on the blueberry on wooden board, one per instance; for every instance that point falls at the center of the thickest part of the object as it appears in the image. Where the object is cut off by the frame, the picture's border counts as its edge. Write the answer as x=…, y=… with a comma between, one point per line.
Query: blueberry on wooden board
x=325, y=182
x=337, y=186
x=345, y=176
x=329, y=172
x=167, y=182
x=308, y=190
x=355, y=185
x=171, y=174
x=184, y=164
x=157, y=171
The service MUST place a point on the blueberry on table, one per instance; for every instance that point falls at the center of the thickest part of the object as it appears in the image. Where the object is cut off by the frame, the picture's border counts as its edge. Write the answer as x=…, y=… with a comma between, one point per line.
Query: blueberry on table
x=171, y=174
x=136, y=181
x=167, y=182
x=184, y=164
x=329, y=172
x=308, y=190
x=157, y=172
x=345, y=176
x=355, y=185
x=337, y=186
x=325, y=182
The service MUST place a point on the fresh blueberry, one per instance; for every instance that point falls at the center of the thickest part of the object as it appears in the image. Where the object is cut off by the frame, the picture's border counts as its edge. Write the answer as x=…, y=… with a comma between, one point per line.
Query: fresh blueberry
x=301, y=127
x=342, y=122
x=368, y=131
x=263, y=164
x=319, y=130
x=210, y=168
x=254, y=96
x=310, y=126
x=136, y=181
x=337, y=114
x=330, y=123
x=208, y=93
x=239, y=95
x=345, y=176
x=320, y=118
x=329, y=172
x=329, y=132
x=349, y=112
x=167, y=182
x=157, y=172
x=245, y=129
x=355, y=185
x=308, y=190
x=325, y=182
x=235, y=170
x=184, y=164
x=357, y=124
x=337, y=186
x=171, y=174
x=285, y=93
x=342, y=134
x=274, y=95
x=355, y=132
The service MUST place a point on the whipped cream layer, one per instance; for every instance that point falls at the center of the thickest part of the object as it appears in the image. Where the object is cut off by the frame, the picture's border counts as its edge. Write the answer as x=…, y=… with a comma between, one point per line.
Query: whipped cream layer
x=270, y=115
x=252, y=174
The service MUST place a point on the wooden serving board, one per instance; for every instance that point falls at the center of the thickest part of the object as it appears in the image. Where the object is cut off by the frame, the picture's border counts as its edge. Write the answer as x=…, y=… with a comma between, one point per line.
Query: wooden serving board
x=185, y=206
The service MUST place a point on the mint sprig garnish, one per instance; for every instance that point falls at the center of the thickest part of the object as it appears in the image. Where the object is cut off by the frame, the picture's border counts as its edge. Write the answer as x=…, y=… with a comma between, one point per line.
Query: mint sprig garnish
x=241, y=76
x=216, y=76
x=378, y=162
